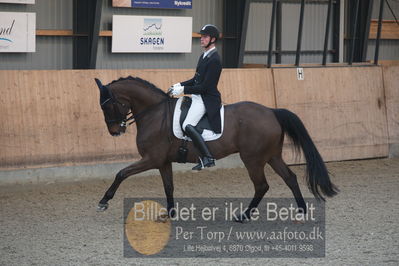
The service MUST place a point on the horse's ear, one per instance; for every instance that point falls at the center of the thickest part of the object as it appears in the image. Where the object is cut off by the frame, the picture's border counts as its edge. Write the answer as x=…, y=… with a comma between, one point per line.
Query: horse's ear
x=104, y=94
x=99, y=84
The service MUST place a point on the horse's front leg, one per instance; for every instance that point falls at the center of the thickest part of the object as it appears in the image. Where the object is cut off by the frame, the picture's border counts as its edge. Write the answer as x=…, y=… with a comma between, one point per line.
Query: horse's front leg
x=135, y=168
x=167, y=179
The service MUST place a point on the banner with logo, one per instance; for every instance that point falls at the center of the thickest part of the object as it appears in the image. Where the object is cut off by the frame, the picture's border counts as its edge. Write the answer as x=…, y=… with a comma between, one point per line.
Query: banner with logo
x=185, y=4
x=17, y=32
x=18, y=1
x=144, y=34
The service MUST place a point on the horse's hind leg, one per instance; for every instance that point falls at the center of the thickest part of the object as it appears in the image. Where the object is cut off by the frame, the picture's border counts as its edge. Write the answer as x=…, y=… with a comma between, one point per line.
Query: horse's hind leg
x=135, y=168
x=289, y=178
x=255, y=170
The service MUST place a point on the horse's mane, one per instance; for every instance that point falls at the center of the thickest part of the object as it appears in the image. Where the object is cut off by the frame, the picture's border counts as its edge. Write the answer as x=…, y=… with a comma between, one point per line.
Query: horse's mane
x=142, y=81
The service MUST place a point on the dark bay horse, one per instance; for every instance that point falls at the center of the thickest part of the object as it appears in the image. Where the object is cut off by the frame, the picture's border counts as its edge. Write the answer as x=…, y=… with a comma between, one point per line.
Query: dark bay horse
x=253, y=130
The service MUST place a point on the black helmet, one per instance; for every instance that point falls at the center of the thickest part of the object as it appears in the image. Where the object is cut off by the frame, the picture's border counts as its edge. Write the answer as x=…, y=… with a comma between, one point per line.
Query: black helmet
x=210, y=30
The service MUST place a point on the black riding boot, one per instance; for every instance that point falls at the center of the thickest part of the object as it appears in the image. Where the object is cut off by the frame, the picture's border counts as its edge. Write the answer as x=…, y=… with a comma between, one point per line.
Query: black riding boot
x=206, y=159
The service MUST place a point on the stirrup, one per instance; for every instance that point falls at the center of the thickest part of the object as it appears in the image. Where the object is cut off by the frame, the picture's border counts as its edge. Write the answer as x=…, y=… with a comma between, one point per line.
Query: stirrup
x=205, y=162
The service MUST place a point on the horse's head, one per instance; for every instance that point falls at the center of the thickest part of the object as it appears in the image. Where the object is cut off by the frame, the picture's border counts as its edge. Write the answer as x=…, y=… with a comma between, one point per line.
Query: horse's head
x=115, y=110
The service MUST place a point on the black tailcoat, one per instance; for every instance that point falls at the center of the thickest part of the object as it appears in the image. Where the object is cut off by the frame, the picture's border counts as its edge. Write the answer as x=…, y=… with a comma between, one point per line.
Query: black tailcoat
x=205, y=83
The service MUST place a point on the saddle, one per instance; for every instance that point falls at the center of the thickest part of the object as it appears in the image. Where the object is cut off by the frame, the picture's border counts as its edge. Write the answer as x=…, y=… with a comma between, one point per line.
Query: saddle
x=185, y=106
x=180, y=114
x=203, y=127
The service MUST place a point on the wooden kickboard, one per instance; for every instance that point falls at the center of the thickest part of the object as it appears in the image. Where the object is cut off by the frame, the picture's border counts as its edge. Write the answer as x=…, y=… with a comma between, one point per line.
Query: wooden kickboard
x=342, y=108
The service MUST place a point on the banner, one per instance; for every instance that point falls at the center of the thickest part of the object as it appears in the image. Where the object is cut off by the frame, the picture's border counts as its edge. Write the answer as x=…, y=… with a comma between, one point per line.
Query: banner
x=208, y=228
x=187, y=4
x=143, y=34
x=18, y=1
x=17, y=32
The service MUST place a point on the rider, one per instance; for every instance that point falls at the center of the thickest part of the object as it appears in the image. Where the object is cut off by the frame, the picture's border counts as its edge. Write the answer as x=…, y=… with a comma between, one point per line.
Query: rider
x=204, y=94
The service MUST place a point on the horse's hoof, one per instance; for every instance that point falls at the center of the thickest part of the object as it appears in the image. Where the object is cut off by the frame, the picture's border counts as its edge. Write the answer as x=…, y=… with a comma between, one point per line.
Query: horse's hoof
x=102, y=207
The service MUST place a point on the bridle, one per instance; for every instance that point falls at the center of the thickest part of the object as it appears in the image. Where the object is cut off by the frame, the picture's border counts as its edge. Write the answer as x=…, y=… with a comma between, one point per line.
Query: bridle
x=120, y=118
x=123, y=119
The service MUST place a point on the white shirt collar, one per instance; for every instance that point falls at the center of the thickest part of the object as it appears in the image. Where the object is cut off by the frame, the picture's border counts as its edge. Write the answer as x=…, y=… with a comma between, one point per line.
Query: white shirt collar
x=207, y=52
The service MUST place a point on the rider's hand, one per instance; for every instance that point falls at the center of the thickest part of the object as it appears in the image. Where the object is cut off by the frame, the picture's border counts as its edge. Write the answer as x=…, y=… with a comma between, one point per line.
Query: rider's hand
x=177, y=89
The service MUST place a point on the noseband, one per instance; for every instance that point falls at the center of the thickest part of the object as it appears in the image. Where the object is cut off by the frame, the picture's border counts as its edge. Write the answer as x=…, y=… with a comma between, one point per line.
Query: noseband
x=120, y=119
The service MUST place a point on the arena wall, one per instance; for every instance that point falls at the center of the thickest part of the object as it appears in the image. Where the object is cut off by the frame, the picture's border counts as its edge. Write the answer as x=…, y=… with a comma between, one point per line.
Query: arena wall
x=342, y=108
x=52, y=118
x=391, y=84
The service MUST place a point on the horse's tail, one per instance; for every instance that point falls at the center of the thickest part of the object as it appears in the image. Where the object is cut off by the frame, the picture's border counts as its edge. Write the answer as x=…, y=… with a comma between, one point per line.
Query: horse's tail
x=317, y=177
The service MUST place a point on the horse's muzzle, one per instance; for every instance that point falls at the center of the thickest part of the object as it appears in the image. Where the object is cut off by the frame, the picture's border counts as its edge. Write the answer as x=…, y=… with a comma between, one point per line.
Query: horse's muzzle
x=117, y=129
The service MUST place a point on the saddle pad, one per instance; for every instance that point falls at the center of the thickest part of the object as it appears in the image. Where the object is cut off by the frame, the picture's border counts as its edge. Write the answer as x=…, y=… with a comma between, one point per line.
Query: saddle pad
x=207, y=135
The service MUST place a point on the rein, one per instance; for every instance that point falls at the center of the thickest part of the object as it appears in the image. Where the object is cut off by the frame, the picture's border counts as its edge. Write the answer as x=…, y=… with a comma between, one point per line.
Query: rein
x=123, y=120
x=135, y=118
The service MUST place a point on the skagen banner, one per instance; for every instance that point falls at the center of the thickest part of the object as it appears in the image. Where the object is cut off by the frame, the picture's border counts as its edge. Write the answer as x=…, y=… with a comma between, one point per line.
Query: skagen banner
x=17, y=32
x=18, y=1
x=187, y=4
x=143, y=34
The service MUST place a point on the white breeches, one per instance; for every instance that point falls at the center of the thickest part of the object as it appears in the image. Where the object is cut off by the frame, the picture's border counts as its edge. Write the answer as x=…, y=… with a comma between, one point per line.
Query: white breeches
x=196, y=111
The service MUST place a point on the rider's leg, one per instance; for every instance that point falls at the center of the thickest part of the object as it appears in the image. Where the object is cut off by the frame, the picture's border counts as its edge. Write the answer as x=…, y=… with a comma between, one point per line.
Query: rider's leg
x=194, y=115
x=206, y=159
x=196, y=111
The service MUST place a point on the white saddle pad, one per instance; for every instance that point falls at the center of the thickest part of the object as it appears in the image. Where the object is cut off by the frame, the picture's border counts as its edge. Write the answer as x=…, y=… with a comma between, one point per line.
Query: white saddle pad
x=207, y=135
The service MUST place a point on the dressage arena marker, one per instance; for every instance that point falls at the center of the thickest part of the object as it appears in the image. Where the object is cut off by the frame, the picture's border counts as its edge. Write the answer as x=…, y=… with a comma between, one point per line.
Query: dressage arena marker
x=299, y=73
